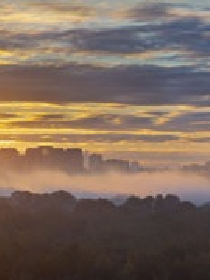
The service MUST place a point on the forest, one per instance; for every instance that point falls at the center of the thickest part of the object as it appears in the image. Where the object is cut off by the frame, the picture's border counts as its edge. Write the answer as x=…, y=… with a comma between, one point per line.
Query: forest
x=58, y=237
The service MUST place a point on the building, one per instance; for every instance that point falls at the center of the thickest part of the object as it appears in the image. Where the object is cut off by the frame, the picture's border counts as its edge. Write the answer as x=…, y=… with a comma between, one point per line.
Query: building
x=96, y=163
x=75, y=160
x=117, y=165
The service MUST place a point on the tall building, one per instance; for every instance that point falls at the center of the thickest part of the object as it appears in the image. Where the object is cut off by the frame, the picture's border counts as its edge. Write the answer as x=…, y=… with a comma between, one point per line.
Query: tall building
x=75, y=160
x=134, y=166
x=96, y=163
x=117, y=165
x=9, y=158
x=67, y=160
x=38, y=157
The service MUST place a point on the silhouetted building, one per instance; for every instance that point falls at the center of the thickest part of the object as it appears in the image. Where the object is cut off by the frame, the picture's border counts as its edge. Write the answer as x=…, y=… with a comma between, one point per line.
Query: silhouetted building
x=117, y=165
x=8, y=154
x=67, y=160
x=134, y=166
x=96, y=163
x=9, y=158
x=39, y=157
x=75, y=160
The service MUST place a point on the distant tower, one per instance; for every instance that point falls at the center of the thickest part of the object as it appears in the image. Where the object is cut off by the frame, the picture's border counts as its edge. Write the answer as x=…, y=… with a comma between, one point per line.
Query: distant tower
x=75, y=160
x=117, y=165
x=95, y=162
x=9, y=158
x=134, y=166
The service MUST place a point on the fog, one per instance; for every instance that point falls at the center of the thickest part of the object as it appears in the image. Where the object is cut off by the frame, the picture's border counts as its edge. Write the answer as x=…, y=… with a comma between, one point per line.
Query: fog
x=187, y=186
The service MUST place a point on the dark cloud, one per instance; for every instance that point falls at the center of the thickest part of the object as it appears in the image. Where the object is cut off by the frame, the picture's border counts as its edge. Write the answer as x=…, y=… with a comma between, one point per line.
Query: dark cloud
x=117, y=41
x=149, y=11
x=189, y=121
x=200, y=140
x=187, y=34
x=197, y=116
x=106, y=121
x=11, y=40
x=184, y=34
x=158, y=11
x=49, y=117
x=122, y=84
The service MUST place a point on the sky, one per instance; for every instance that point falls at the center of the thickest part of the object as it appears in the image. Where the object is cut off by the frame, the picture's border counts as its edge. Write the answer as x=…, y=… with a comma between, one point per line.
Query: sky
x=128, y=79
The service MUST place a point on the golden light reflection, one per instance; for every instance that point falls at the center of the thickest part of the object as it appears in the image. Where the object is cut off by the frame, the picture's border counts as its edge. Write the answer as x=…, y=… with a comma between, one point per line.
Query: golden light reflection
x=83, y=125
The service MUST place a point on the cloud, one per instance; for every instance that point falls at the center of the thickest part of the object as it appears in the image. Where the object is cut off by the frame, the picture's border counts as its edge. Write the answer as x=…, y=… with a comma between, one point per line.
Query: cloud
x=105, y=138
x=49, y=117
x=191, y=121
x=200, y=140
x=185, y=35
x=37, y=13
x=80, y=10
x=97, y=123
x=105, y=123
x=123, y=84
x=8, y=116
x=180, y=41
x=163, y=11
x=148, y=11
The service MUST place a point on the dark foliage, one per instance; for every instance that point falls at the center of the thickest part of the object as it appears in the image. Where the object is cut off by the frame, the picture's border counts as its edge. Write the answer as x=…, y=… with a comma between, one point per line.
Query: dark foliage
x=56, y=237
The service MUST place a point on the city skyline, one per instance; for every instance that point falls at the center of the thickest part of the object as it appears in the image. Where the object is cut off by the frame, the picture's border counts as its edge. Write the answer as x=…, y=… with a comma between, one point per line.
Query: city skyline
x=126, y=80
x=69, y=160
